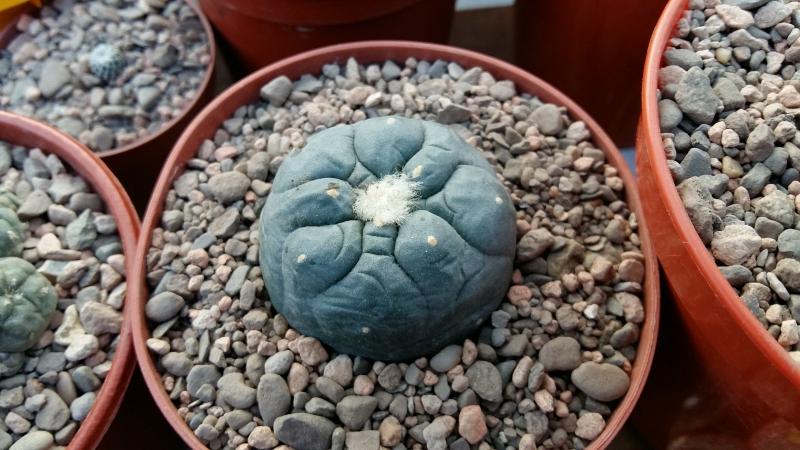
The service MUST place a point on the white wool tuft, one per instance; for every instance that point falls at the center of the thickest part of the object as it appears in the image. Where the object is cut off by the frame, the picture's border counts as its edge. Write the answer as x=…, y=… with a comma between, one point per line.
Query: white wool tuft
x=386, y=201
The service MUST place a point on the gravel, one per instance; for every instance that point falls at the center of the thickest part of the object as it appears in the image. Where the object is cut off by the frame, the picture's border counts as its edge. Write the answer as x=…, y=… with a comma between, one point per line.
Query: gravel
x=46, y=392
x=521, y=381
x=159, y=56
x=734, y=150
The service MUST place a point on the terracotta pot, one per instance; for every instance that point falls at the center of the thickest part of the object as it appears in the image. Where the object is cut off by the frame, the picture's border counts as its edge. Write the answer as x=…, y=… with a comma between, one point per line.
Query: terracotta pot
x=30, y=133
x=759, y=383
x=598, y=40
x=137, y=164
x=264, y=31
x=247, y=91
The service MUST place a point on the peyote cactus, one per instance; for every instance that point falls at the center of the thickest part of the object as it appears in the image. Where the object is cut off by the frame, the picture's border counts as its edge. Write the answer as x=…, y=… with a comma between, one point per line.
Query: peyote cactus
x=106, y=62
x=27, y=303
x=8, y=199
x=387, y=239
x=11, y=233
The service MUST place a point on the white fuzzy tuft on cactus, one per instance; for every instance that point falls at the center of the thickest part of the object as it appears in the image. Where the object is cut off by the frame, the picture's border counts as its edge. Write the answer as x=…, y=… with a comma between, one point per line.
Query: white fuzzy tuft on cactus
x=387, y=201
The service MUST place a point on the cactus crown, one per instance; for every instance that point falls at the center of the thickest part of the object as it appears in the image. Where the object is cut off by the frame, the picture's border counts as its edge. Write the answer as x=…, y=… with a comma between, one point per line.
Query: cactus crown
x=106, y=62
x=387, y=201
x=11, y=233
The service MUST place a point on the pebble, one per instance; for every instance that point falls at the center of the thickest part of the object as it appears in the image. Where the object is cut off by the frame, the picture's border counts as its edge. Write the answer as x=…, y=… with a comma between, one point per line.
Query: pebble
x=311, y=351
x=472, y=424
x=274, y=399
x=590, y=425
x=446, y=359
x=760, y=143
x=262, y=438
x=436, y=433
x=279, y=363
x=366, y=440
x=98, y=318
x=340, y=370
x=163, y=306
x=304, y=431
x=81, y=347
x=34, y=440
x=696, y=98
x=734, y=17
x=233, y=390
x=55, y=75
x=603, y=382
x=54, y=414
x=735, y=244
x=485, y=380
x=229, y=187
x=561, y=353
x=355, y=410
x=548, y=119
x=79, y=408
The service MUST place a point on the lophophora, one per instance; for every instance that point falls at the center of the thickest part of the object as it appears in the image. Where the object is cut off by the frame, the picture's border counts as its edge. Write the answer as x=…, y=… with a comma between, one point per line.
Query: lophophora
x=27, y=299
x=387, y=239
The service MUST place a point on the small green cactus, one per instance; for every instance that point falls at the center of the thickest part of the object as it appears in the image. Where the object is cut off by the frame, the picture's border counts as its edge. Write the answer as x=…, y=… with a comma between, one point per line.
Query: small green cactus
x=11, y=233
x=106, y=62
x=27, y=304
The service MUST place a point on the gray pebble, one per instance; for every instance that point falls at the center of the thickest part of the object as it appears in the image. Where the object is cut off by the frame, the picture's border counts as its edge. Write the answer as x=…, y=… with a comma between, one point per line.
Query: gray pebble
x=354, y=410
x=274, y=399
x=601, y=381
x=304, y=431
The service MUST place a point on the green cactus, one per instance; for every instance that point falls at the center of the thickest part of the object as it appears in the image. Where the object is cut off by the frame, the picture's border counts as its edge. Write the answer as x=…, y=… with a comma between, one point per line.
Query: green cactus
x=387, y=239
x=106, y=62
x=11, y=233
x=27, y=304
x=8, y=199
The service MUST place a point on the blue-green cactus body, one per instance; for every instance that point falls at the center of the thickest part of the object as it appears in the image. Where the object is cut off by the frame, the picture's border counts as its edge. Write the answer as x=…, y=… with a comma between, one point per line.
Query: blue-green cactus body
x=391, y=292
x=8, y=199
x=106, y=62
x=11, y=233
x=27, y=304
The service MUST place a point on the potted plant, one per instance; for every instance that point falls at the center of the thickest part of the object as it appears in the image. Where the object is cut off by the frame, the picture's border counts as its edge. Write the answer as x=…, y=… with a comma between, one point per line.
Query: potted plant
x=66, y=352
x=126, y=83
x=262, y=32
x=410, y=149
x=714, y=288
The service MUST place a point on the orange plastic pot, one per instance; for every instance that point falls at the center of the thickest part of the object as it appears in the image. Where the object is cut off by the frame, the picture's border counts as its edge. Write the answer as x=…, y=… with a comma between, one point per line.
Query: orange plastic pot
x=599, y=55
x=137, y=164
x=759, y=385
x=32, y=134
x=264, y=31
x=246, y=91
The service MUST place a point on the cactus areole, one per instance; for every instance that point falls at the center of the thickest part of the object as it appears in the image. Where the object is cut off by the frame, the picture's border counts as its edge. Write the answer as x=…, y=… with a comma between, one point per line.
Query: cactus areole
x=388, y=239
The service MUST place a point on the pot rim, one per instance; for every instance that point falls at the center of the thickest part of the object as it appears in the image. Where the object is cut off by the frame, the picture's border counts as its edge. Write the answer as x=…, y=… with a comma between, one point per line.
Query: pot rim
x=8, y=33
x=246, y=91
x=315, y=13
x=696, y=249
x=21, y=130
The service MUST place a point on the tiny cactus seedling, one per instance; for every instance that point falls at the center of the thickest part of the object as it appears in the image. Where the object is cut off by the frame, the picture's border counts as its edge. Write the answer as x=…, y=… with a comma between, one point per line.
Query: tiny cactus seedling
x=27, y=304
x=11, y=233
x=106, y=62
x=388, y=239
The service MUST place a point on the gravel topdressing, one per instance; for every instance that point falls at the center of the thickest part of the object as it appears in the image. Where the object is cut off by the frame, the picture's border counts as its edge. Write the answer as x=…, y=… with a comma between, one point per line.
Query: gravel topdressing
x=545, y=371
x=728, y=109
x=47, y=391
x=163, y=57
